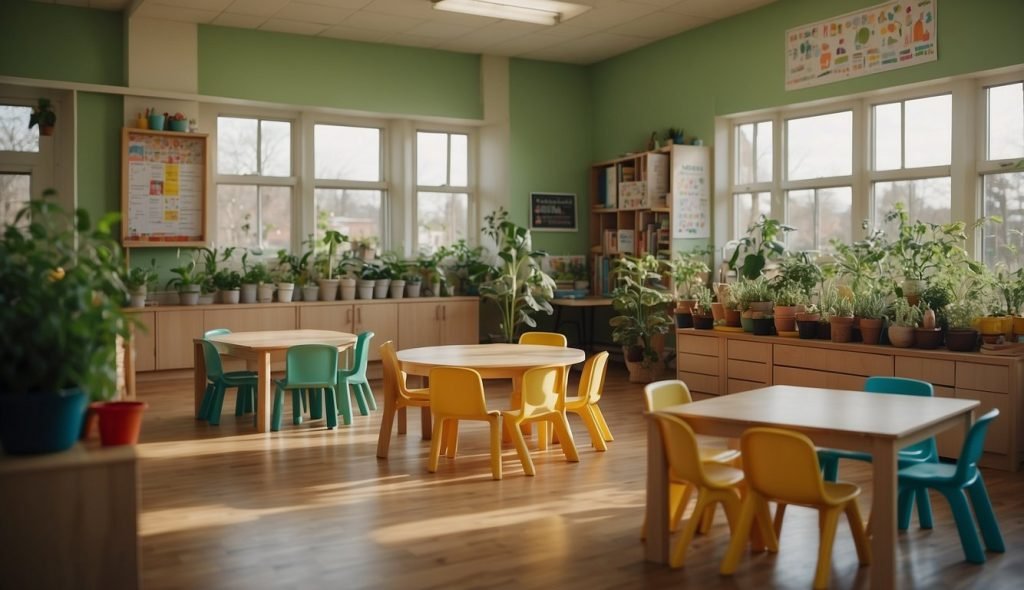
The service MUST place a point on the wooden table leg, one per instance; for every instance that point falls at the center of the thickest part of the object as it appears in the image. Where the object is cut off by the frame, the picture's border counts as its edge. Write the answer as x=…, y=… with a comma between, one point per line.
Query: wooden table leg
x=426, y=428
x=198, y=374
x=656, y=547
x=388, y=419
x=883, y=515
x=263, y=393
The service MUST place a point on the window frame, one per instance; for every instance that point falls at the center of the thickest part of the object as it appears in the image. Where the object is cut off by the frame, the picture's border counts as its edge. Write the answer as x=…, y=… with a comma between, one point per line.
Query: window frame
x=470, y=190
x=983, y=166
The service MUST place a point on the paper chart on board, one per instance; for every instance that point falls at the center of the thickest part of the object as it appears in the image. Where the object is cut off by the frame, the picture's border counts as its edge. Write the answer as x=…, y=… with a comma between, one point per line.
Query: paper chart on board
x=165, y=199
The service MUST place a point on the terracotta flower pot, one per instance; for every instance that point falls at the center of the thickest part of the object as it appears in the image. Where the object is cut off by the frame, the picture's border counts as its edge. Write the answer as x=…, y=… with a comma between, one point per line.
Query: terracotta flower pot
x=686, y=305
x=901, y=336
x=718, y=311
x=961, y=340
x=870, y=330
x=732, y=317
x=120, y=422
x=762, y=306
x=842, y=328
x=927, y=338
x=785, y=318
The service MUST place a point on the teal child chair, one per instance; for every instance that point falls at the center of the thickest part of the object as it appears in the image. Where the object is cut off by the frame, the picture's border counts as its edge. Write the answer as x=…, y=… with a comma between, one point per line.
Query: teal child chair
x=356, y=376
x=922, y=452
x=217, y=383
x=951, y=481
x=307, y=367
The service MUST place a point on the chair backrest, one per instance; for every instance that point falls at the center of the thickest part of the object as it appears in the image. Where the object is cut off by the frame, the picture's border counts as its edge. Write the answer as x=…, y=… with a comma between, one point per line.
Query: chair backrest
x=362, y=353
x=311, y=365
x=389, y=362
x=544, y=338
x=455, y=391
x=782, y=465
x=927, y=448
x=216, y=332
x=974, y=444
x=681, y=449
x=540, y=390
x=211, y=358
x=592, y=378
x=662, y=394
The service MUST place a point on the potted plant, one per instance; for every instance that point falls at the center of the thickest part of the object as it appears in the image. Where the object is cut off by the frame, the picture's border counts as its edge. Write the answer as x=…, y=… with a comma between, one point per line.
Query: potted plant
x=640, y=301
x=62, y=314
x=296, y=268
x=761, y=323
x=413, y=282
x=44, y=116
x=518, y=285
x=328, y=284
x=905, y=317
x=466, y=267
x=368, y=275
x=788, y=299
x=284, y=281
x=730, y=303
x=189, y=281
x=863, y=263
x=928, y=335
x=381, y=275
x=212, y=260
x=675, y=135
x=702, y=317
x=841, y=320
x=429, y=268
x=960, y=315
x=870, y=307
x=578, y=270
x=138, y=281
x=259, y=275
x=807, y=322
x=799, y=272
x=228, y=283
x=348, y=272
x=250, y=282
x=755, y=295
x=759, y=247
x=689, y=270
x=396, y=268
x=828, y=299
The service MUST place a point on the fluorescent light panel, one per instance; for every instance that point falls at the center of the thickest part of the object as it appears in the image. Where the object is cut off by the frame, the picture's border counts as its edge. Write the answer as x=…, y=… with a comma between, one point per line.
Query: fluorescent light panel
x=542, y=12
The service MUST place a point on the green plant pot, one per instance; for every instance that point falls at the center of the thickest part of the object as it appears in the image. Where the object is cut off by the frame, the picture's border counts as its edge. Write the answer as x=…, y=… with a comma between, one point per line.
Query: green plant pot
x=747, y=323
x=36, y=423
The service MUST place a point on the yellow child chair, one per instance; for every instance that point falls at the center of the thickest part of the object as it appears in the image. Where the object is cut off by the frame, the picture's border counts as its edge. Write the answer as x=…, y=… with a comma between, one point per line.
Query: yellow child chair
x=584, y=404
x=404, y=397
x=782, y=466
x=673, y=392
x=544, y=339
x=458, y=394
x=539, y=402
x=716, y=483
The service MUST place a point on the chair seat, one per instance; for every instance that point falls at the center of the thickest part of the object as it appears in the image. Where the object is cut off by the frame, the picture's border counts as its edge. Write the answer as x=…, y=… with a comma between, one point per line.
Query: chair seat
x=716, y=454
x=840, y=492
x=721, y=476
x=575, y=402
x=239, y=377
x=419, y=394
x=909, y=456
x=928, y=473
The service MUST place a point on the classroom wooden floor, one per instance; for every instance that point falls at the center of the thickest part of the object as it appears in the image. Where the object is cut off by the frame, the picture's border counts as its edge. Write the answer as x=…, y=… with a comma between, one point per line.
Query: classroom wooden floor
x=223, y=507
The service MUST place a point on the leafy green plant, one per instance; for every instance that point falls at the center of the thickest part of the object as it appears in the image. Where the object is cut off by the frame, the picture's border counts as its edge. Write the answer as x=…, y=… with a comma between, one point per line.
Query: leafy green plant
x=187, y=273
x=396, y=266
x=141, y=276
x=227, y=279
x=517, y=285
x=787, y=294
x=639, y=299
x=333, y=240
x=578, y=271
x=428, y=266
x=828, y=299
x=863, y=261
x=843, y=307
x=872, y=304
x=60, y=301
x=800, y=272
x=293, y=267
x=688, y=269
x=760, y=246
x=42, y=114
x=960, y=315
x=904, y=314
x=921, y=248
x=703, y=298
x=465, y=264
x=212, y=259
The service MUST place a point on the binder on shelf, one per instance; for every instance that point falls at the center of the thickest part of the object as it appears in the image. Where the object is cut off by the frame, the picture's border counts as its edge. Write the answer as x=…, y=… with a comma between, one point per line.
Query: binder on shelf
x=611, y=188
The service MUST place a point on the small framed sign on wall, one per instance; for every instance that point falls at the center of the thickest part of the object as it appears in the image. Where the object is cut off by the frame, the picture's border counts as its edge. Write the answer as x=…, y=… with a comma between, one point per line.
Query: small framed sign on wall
x=553, y=212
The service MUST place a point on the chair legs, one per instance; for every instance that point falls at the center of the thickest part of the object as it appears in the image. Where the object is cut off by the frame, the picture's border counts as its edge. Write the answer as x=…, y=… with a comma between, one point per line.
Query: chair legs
x=752, y=512
x=828, y=519
x=964, y=525
x=443, y=431
x=516, y=434
x=986, y=517
x=216, y=404
x=706, y=501
x=344, y=396
x=602, y=423
x=589, y=417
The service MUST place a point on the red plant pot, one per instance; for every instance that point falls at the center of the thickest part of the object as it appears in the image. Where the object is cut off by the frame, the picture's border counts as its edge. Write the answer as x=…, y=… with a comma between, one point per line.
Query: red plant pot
x=120, y=422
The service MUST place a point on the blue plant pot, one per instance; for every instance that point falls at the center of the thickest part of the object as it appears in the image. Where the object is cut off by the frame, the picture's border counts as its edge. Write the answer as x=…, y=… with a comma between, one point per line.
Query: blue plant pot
x=35, y=423
x=179, y=125
x=156, y=122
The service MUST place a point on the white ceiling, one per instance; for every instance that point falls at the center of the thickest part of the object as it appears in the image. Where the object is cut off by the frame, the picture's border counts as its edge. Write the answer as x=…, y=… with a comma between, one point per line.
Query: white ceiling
x=611, y=27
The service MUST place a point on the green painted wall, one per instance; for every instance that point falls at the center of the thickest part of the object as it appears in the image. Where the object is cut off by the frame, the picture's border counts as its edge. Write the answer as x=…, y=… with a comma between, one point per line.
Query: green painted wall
x=296, y=69
x=98, y=150
x=61, y=43
x=550, y=151
x=736, y=65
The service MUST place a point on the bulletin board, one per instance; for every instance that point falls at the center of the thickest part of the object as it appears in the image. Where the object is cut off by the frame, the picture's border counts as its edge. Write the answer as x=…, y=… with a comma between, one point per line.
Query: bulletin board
x=553, y=212
x=163, y=188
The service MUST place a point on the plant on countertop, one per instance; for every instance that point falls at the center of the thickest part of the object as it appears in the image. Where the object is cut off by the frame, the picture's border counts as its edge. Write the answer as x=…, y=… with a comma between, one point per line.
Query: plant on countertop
x=227, y=280
x=639, y=298
x=517, y=285
x=396, y=266
x=333, y=240
x=212, y=259
x=759, y=247
x=688, y=270
x=188, y=275
x=141, y=276
x=871, y=303
x=703, y=298
x=864, y=261
x=904, y=314
x=921, y=248
x=800, y=272
x=296, y=267
x=465, y=265
x=788, y=295
x=257, y=274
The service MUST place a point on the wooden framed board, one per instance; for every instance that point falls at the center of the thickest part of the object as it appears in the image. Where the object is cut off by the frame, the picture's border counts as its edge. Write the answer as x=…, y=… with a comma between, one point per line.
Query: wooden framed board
x=163, y=188
x=553, y=212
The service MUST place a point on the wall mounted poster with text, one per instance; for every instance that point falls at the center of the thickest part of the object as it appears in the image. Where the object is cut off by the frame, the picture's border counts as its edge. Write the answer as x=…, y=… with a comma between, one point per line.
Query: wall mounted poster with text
x=552, y=212
x=884, y=37
x=691, y=191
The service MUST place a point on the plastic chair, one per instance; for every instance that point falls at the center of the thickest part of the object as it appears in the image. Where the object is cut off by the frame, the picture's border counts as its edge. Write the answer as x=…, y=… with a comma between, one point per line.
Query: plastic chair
x=782, y=465
x=544, y=339
x=951, y=481
x=673, y=392
x=218, y=382
x=356, y=376
x=539, y=403
x=307, y=367
x=716, y=483
x=584, y=404
x=458, y=394
x=404, y=397
x=922, y=452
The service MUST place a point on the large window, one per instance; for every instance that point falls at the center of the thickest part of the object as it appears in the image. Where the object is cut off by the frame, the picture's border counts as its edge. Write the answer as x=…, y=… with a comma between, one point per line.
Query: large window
x=1002, y=173
x=19, y=152
x=753, y=173
x=255, y=183
x=442, y=189
x=350, y=191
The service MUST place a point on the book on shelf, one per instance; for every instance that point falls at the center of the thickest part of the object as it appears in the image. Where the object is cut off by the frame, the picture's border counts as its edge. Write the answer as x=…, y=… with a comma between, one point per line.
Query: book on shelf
x=626, y=239
x=609, y=242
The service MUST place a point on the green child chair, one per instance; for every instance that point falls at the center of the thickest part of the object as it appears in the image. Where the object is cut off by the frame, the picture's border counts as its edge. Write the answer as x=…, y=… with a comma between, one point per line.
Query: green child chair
x=307, y=367
x=951, y=481
x=218, y=381
x=356, y=376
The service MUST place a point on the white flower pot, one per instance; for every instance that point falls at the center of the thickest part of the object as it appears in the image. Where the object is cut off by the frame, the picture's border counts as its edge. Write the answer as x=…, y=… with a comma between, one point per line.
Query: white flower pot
x=348, y=288
x=230, y=296
x=248, y=293
x=265, y=292
x=380, y=288
x=412, y=289
x=328, y=289
x=189, y=295
x=137, y=297
x=284, y=292
x=397, y=289
x=435, y=289
x=365, y=289
x=310, y=292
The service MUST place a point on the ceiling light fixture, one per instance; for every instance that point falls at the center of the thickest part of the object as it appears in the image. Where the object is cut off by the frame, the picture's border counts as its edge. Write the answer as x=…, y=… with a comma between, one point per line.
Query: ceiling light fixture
x=541, y=12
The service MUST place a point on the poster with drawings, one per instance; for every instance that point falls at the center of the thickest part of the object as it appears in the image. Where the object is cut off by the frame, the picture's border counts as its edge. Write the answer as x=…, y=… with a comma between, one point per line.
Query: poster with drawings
x=165, y=190
x=883, y=37
x=691, y=192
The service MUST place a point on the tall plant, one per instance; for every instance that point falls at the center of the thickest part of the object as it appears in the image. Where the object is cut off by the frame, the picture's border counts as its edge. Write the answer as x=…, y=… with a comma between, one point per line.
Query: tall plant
x=688, y=269
x=518, y=285
x=639, y=298
x=760, y=246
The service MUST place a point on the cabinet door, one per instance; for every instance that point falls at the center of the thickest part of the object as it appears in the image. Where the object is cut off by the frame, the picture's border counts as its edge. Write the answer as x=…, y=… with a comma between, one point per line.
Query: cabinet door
x=250, y=320
x=144, y=340
x=339, y=318
x=382, y=320
x=175, y=331
x=419, y=324
x=460, y=322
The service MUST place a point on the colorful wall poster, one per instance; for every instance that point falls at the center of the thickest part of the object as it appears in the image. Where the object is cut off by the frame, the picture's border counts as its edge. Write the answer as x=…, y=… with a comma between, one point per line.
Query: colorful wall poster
x=165, y=189
x=884, y=37
x=691, y=192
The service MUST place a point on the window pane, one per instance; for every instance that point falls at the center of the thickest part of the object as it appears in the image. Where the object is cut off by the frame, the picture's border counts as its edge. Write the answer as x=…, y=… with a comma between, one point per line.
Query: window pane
x=800, y=214
x=750, y=206
x=236, y=215
x=820, y=146
x=443, y=219
x=927, y=199
x=745, y=153
x=888, y=122
x=355, y=213
x=236, y=146
x=1006, y=121
x=764, y=151
x=460, y=160
x=347, y=153
x=834, y=216
x=431, y=159
x=15, y=136
x=276, y=148
x=276, y=217
x=1004, y=196
x=15, y=192
x=929, y=131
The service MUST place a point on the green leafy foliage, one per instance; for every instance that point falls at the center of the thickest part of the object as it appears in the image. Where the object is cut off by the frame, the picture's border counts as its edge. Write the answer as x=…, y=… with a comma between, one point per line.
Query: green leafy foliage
x=639, y=299
x=688, y=269
x=760, y=246
x=141, y=276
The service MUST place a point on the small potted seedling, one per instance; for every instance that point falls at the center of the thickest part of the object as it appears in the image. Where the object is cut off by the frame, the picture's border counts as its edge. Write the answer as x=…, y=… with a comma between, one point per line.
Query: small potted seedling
x=138, y=281
x=328, y=284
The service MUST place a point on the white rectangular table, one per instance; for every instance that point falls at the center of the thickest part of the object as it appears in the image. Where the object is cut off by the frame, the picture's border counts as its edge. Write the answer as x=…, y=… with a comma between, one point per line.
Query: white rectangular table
x=878, y=424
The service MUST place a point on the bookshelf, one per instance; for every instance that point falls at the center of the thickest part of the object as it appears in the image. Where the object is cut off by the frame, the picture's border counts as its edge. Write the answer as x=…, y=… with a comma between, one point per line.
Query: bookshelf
x=632, y=200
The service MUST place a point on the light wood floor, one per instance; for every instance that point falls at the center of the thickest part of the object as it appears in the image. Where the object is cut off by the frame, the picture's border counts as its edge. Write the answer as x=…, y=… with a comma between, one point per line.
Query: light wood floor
x=223, y=507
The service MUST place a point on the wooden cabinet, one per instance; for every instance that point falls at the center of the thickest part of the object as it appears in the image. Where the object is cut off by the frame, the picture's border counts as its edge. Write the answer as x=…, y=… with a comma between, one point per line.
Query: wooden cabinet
x=438, y=323
x=337, y=318
x=175, y=331
x=250, y=320
x=144, y=340
x=699, y=364
x=381, y=319
x=460, y=322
